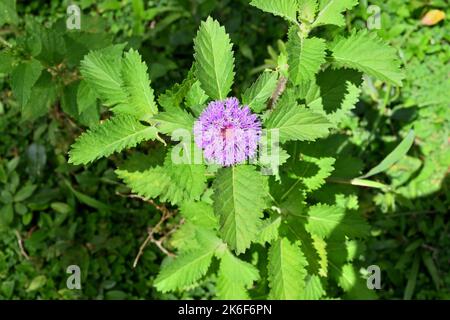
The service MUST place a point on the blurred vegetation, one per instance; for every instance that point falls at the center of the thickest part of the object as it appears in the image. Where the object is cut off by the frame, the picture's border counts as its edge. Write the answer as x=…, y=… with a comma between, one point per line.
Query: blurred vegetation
x=53, y=214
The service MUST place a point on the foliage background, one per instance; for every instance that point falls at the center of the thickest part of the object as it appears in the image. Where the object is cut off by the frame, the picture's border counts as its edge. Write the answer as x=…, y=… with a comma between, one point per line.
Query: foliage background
x=64, y=214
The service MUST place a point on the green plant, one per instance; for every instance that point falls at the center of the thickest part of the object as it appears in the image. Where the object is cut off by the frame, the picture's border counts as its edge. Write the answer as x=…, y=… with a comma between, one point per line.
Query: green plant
x=292, y=235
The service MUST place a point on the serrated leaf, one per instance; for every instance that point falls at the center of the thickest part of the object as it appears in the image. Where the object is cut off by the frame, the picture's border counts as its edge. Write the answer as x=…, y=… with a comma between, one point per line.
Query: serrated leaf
x=111, y=136
x=268, y=231
x=103, y=72
x=23, y=78
x=305, y=56
x=313, y=171
x=336, y=93
x=307, y=10
x=257, y=95
x=214, y=59
x=234, y=277
x=283, y=8
x=196, y=98
x=367, y=53
x=239, y=193
x=185, y=269
x=331, y=12
x=323, y=219
x=172, y=182
x=297, y=123
x=287, y=270
x=199, y=213
x=141, y=101
x=313, y=289
x=175, y=119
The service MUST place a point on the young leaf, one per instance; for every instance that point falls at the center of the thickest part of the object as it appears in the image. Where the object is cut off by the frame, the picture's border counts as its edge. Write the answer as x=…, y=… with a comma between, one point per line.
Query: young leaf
x=196, y=98
x=239, y=193
x=330, y=12
x=367, y=53
x=283, y=8
x=23, y=78
x=398, y=153
x=257, y=95
x=297, y=123
x=111, y=136
x=287, y=270
x=234, y=277
x=214, y=58
x=305, y=56
x=141, y=101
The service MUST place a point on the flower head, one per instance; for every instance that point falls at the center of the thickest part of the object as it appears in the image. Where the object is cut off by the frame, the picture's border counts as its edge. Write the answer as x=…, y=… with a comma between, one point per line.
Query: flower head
x=227, y=132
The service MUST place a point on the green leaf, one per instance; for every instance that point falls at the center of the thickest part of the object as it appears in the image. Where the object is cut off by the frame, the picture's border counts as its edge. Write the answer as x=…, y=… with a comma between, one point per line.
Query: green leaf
x=336, y=93
x=330, y=12
x=412, y=279
x=234, y=277
x=305, y=56
x=6, y=214
x=23, y=78
x=239, y=193
x=313, y=290
x=307, y=10
x=7, y=60
x=43, y=96
x=214, y=58
x=172, y=182
x=199, y=213
x=141, y=101
x=86, y=97
x=188, y=267
x=257, y=95
x=37, y=283
x=283, y=8
x=287, y=270
x=397, y=154
x=176, y=118
x=196, y=98
x=8, y=12
x=297, y=123
x=314, y=171
x=352, y=283
x=83, y=198
x=367, y=53
x=268, y=231
x=103, y=72
x=111, y=136
x=323, y=219
x=25, y=192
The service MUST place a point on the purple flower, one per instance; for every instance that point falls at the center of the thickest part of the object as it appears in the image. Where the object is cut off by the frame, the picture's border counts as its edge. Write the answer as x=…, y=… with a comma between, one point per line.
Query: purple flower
x=227, y=133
